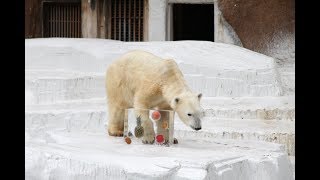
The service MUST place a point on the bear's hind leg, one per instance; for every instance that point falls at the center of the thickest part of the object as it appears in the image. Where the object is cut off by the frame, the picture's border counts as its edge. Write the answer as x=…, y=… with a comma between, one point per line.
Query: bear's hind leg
x=115, y=121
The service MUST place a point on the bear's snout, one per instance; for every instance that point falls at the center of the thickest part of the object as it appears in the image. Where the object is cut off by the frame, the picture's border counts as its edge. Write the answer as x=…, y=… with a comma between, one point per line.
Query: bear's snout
x=196, y=124
x=197, y=129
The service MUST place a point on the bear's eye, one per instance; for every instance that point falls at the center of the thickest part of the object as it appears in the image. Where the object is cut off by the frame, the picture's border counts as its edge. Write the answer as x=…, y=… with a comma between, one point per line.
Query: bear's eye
x=189, y=114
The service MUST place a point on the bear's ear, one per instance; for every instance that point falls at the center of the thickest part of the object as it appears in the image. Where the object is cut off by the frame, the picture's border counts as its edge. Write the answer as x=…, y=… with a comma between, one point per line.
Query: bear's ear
x=170, y=61
x=199, y=96
x=174, y=102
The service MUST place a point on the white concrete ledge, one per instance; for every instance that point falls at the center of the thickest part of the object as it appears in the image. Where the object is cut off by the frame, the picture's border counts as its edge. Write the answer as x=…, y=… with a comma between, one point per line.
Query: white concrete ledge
x=52, y=89
x=66, y=114
x=220, y=69
x=99, y=156
x=93, y=119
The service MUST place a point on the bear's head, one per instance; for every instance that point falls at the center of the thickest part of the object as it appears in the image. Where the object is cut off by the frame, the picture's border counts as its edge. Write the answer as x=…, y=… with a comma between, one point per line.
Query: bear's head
x=187, y=105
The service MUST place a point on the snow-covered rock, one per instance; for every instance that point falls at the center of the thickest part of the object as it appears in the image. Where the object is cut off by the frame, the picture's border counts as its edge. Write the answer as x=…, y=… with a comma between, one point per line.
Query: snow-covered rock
x=217, y=69
x=248, y=131
x=63, y=155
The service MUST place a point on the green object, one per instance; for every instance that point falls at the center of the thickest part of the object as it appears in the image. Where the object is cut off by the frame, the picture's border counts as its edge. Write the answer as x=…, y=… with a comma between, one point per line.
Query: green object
x=138, y=130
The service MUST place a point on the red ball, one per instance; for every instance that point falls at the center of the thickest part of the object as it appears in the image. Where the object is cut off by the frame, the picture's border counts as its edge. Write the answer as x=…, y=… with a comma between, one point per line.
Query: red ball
x=156, y=115
x=128, y=140
x=160, y=138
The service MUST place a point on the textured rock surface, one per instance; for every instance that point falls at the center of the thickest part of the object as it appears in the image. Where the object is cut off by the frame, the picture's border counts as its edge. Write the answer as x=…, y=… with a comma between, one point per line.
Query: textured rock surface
x=248, y=131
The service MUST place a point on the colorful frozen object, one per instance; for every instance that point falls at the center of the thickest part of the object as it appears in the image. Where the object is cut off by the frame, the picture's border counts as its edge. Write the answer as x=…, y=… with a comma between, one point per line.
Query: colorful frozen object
x=160, y=138
x=156, y=115
x=138, y=130
x=135, y=129
x=128, y=140
x=164, y=125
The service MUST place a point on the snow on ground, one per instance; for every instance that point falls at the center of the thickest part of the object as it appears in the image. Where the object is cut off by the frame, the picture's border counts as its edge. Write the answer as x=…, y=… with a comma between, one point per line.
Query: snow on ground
x=90, y=156
x=248, y=130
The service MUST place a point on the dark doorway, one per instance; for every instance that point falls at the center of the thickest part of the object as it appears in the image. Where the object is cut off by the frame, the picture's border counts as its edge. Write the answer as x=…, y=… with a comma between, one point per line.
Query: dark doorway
x=193, y=22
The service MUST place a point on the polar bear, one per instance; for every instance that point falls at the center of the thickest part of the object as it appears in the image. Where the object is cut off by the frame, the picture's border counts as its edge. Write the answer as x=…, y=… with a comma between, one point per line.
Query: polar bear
x=139, y=79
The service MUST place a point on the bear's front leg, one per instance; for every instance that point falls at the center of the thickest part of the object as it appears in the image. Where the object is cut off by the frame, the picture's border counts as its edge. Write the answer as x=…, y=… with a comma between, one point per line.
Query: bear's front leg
x=115, y=120
x=163, y=124
x=149, y=134
x=147, y=125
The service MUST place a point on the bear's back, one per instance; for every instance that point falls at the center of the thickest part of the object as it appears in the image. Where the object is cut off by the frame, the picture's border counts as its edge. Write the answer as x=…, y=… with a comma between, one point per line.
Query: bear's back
x=140, y=58
x=141, y=64
x=138, y=71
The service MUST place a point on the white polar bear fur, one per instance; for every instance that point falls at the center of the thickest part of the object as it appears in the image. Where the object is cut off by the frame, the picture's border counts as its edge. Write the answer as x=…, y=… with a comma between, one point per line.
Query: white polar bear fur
x=142, y=80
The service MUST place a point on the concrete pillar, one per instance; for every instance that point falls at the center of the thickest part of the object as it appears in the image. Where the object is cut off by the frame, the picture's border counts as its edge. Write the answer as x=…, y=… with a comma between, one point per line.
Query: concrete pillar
x=89, y=18
x=101, y=14
x=157, y=20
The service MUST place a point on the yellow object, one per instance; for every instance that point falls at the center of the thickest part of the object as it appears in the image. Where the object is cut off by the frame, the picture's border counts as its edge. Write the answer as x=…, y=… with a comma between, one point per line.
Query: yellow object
x=164, y=124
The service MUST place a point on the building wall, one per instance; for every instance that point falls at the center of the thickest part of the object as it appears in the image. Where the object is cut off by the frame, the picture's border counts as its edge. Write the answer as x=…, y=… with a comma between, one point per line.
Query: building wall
x=33, y=18
x=224, y=32
x=94, y=20
x=160, y=22
x=263, y=26
x=157, y=20
x=267, y=27
x=89, y=18
x=33, y=21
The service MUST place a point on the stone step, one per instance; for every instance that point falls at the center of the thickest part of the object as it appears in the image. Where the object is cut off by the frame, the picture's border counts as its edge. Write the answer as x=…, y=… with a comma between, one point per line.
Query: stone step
x=95, y=119
x=51, y=89
x=259, y=108
x=58, y=154
x=293, y=164
x=94, y=55
x=263, y=108
x=261, y=114
x=287, y=74
x=231, y=87
x=288, y=82
x=282, y=132
x=53, y=86
x=241, y=138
